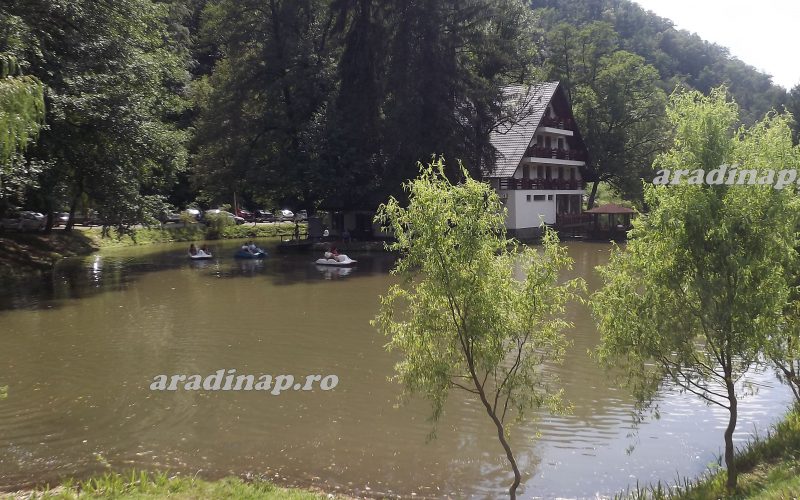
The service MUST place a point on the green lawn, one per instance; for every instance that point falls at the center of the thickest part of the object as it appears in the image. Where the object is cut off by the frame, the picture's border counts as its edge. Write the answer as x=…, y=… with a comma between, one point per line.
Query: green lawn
x=142, y=485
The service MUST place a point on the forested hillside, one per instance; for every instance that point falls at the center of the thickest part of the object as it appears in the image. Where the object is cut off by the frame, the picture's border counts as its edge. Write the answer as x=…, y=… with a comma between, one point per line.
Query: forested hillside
x=329, y=103
x=679, y=56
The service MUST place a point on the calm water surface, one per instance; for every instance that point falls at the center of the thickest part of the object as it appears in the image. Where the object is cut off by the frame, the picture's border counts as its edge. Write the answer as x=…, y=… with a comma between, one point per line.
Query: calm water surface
x=79, y=351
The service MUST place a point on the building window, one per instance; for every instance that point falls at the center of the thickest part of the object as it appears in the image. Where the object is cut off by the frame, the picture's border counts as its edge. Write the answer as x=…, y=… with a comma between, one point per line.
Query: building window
x=527, y=197
x=561, y=173
x=539, y=140
x=538, y=197
x=547, y=142
x=560, y=143
x=548, y=173
x=550, y=197
x=526, y=172
x=572, y=174
x=539, y=172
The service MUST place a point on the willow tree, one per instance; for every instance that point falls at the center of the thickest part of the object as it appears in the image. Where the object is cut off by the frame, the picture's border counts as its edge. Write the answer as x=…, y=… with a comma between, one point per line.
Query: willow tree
x=460, y=316
x=21, y=115
x=699, y=292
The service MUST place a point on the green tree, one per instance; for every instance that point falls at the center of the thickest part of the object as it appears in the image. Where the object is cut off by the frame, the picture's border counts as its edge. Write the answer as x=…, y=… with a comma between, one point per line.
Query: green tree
x=21, y=119
x=681, y=58
x=114, y=88
x=461, y=317
x=700, y=289
x=793, y=106
x=617, y=101
x=259, y=112
x=784, y=350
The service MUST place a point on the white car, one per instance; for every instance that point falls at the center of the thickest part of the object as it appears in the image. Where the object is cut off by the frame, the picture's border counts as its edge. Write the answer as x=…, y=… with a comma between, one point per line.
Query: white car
x=284, y=215
x=23, y=221
x=222, y=213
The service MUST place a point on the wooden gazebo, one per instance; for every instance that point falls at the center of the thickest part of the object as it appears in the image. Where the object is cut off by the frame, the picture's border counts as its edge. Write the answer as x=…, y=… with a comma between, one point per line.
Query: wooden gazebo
x=610, y=222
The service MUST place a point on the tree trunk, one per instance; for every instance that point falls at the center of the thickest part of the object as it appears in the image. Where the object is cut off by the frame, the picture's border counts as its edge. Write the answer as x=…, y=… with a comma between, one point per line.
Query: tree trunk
x=590, y=203
x=501, y=435
x=730, y=458
x=71, y=220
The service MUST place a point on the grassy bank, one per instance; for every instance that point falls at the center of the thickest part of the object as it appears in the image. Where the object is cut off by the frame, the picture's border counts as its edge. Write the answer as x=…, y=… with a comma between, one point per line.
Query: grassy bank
x=769, y=468
x=191, y=232
x=143, y=485
x=24, y=254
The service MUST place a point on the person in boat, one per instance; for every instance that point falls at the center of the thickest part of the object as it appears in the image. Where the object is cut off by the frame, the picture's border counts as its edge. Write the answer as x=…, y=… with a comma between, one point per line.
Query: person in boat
x=332, y=253
x=192, y=249
x=203, y=252
x=252, y=248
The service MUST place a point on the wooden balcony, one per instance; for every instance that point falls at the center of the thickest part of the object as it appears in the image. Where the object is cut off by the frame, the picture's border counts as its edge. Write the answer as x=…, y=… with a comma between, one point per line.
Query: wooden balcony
x=534, y=184
x=562, y=123
x=559, y=154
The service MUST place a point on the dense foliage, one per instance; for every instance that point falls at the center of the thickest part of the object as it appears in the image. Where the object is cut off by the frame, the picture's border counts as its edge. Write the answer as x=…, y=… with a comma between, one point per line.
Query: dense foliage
x=21, y=119
x=462, y=318
x=330, y=103
x=698, y=296
x=113, y=83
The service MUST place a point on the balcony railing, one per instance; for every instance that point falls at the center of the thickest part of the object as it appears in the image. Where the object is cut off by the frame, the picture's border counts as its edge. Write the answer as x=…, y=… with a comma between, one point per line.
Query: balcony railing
x=561, y=154
x=572, y=219
x=553, y=184
x=562, y=123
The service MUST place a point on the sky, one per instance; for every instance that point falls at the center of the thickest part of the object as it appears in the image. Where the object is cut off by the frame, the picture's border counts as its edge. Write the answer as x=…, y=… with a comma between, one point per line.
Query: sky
x=764, y=34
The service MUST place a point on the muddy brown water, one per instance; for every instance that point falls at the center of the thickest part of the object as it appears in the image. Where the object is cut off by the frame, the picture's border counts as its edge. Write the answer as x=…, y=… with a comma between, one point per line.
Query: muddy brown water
x=80, y=349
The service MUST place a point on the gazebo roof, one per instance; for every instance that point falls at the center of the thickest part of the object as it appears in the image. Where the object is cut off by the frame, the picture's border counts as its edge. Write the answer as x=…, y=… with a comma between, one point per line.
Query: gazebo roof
x=611, y=208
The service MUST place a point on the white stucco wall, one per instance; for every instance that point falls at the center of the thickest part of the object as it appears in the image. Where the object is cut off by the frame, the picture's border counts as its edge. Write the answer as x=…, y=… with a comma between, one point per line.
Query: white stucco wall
x=527, y=214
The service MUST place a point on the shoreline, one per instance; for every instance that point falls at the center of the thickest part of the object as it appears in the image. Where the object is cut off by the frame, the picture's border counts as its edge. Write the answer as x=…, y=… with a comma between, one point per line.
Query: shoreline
x=140, y=484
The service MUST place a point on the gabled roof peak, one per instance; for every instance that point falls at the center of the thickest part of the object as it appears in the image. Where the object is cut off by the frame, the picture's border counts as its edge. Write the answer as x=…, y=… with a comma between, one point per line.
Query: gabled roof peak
x=512, y=138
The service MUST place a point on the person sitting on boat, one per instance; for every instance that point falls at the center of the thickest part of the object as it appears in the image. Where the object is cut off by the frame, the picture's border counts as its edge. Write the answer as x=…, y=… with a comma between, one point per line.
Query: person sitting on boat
x=192, y=249
x=252, y=248
x=205, y=250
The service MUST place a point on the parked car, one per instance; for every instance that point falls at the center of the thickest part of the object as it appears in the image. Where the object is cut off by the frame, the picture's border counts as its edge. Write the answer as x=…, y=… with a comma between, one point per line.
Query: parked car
x=23, y=221
x=284, y=215
x=222, y=213
x=245, y=214
x=301, y=216
x=169, y=216
x=265, y=216
x=91, y=218
x=60, y=218
x=194, y=212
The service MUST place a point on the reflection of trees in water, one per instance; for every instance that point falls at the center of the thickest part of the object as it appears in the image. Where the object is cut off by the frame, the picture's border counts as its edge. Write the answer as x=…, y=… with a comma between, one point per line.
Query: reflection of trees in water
x=107, y=272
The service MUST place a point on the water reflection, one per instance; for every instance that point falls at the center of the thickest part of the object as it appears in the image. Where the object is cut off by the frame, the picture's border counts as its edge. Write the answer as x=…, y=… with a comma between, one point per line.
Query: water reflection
x=332, y=272
x=80, y=349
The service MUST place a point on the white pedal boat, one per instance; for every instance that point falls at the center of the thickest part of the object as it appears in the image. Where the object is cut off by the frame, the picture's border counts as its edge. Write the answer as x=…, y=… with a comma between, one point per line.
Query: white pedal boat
x=341, y=261
x=201, y=256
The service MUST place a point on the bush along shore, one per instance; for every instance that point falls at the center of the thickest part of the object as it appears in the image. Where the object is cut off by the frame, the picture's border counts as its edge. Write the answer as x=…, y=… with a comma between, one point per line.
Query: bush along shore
x=143, y=485
x=769, y=469
x=25, y=254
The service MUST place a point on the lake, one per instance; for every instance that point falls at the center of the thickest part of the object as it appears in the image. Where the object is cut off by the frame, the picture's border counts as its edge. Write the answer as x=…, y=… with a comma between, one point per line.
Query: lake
x=79, y=351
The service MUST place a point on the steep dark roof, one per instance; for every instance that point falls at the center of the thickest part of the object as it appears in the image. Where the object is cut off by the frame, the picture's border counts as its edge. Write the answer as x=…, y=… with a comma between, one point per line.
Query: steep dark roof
x=511, y=140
